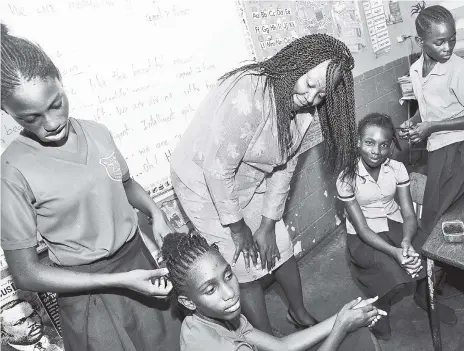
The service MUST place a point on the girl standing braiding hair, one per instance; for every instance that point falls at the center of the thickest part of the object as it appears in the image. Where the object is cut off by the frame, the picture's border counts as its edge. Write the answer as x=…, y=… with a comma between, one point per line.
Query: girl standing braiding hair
x=65, y=179
x=437, y=79
x=232, y=168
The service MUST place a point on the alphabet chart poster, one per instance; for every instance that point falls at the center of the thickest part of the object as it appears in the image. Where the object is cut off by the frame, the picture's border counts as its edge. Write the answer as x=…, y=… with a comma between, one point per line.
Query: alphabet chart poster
x=272, y=25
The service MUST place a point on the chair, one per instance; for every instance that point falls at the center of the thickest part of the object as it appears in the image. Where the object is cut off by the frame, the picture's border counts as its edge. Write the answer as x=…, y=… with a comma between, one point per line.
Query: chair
x=417, y=187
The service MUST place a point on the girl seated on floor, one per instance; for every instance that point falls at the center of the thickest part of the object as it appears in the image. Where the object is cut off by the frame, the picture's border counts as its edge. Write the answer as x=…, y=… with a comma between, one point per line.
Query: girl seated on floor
x=206, y=286
x=382, y=242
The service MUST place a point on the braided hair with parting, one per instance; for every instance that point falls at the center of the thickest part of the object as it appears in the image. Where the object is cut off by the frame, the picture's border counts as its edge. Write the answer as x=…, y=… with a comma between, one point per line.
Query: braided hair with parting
x=179, y=252
x=22, y=60
x=427, y=16
x=337, y=112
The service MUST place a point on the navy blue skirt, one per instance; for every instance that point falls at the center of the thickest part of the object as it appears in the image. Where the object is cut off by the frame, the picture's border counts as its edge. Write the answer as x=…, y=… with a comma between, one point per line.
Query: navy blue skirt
x=375, y=272
x=445, y=183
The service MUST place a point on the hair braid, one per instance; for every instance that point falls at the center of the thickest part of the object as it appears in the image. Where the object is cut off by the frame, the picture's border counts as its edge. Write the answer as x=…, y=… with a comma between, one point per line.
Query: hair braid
x=180, y=251
x=430, y=15
x=22, y=60
x=281, y=73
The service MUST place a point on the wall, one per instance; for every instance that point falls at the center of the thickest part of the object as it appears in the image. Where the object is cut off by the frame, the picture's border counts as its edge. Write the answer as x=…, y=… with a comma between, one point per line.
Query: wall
x=312, y=210
x=365, y=61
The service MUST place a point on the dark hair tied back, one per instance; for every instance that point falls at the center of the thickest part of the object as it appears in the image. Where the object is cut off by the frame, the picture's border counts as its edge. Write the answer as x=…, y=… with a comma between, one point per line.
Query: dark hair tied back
x=427, y=16
x=22, y=60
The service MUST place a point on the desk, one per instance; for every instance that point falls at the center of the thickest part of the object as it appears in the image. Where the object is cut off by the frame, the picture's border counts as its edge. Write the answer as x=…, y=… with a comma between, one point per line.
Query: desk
x=436, y=249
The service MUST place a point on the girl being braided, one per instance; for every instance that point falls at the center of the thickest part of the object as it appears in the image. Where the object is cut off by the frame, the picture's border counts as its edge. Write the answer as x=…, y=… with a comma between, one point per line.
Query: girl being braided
x=206, y=286
x=232, y=168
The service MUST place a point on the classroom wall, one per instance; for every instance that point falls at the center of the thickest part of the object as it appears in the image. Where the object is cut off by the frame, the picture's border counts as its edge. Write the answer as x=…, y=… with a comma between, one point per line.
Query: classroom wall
x=312, y=210
x=365, y=61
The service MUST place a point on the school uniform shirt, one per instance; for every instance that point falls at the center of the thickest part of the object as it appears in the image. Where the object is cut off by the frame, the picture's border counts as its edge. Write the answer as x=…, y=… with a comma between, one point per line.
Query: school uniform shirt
x=441, y=97
x=376, y=198
x=76, y=201
x=200, y=334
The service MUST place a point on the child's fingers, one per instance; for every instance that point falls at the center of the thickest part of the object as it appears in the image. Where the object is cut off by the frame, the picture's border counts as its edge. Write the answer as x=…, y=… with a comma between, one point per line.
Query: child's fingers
x=169, y=285
x=407, y=260
x=412, y=266
x=382, y=312
x=371, y=300
x=412, y=252
x=366, y=302
x=372, y=313
x=352, y=304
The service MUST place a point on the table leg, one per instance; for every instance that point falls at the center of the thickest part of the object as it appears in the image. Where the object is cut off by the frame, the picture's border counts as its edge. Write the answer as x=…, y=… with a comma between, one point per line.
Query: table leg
x=434, y=320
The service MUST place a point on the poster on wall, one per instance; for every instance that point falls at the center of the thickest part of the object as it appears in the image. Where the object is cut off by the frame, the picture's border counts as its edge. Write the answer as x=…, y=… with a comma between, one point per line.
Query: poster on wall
x=377, y=26
x=314, y=17
x=274, y=24
x=347, y=24
x=392, y=12
x=30, y=321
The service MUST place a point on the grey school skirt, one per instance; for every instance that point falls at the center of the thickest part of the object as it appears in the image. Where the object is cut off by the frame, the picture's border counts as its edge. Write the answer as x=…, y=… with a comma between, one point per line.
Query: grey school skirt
x=375, y=272
x=445, y=183
x=115, y=319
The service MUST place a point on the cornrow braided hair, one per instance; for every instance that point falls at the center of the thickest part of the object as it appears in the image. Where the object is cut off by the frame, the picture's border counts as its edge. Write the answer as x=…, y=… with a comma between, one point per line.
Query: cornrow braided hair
x=337, y=113
x=377, y=119
x=179, y=252
x=22, y=60
x=430, y=15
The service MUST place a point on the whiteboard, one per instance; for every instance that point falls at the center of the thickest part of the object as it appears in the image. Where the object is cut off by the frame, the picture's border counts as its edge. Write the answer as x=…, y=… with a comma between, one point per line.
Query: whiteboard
x=140, y=67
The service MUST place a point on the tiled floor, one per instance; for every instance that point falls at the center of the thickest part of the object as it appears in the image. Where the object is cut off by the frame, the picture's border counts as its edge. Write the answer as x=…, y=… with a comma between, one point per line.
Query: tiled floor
x=327, y=286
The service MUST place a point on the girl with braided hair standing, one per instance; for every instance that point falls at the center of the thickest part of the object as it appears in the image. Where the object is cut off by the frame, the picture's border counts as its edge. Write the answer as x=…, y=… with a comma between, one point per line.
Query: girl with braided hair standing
x=232, y=168
x=204, y=283
x=65, y=179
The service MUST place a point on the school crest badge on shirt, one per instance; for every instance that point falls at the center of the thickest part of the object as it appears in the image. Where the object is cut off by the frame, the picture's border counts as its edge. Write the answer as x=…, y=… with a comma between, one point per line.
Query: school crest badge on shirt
x=112, y=167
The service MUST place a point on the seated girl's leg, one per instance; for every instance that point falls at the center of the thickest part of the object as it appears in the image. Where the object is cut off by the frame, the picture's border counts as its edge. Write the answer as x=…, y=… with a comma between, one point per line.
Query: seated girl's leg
x=374, y=272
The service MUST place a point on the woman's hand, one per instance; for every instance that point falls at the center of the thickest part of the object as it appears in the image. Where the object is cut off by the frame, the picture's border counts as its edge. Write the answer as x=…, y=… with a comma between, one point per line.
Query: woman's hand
x=420, y=132
x=265, y=241
x=147, y=282
x=243, y=240
x=160, y=226
x=356, y=314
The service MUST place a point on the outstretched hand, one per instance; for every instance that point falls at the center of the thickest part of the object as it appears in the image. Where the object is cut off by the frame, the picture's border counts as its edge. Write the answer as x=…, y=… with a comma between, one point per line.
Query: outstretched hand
x=357, y=314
